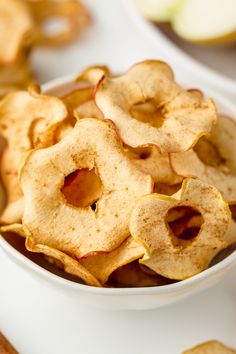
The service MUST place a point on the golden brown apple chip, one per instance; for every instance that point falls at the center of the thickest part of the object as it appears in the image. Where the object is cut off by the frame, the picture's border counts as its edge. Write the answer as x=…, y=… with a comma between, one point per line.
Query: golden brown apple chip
x=213, y=159
x=91, y=225
x=27, y=120
x=168, y=116
x=102, y=265
x=166, y=253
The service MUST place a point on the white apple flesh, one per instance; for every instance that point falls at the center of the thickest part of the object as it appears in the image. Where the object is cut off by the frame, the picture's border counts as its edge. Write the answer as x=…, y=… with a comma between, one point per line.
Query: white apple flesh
x=158, y=10
x=206, y=21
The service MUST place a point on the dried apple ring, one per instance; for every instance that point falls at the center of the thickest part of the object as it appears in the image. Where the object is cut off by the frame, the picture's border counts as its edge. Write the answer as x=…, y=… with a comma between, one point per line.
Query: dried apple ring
x=73, y=13
x=81, y=229
x=212, y=159
x=169, y=255
x=171, y=118
x=102, y=265
x=27, y=120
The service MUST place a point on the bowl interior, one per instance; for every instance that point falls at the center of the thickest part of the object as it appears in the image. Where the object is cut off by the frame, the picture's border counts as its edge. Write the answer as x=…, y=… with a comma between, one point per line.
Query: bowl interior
x=17, y=244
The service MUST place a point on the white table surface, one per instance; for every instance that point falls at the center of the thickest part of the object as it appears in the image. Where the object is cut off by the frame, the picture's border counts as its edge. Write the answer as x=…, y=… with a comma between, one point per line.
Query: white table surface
x=40, y=320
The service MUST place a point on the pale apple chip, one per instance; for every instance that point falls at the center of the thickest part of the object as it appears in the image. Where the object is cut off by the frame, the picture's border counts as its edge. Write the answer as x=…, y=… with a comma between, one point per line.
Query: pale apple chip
x=16, y=24
x=93, y=74
x=152, y=162
x=168, y=254
x=102, y=265
x=212, y=159
x=76, y=98
x=80, y=98
x=211, y=347
x=70, y=265
x=168, y=116
x=13, y=211
x=99, y=220
x=88, y=109
x=71, y=15
x=27, y=120
x=133, y=275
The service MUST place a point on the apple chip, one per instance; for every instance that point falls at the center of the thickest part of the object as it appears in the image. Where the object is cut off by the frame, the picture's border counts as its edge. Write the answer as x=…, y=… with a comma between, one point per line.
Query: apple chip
x=166, y=253
x=15, y=76
x=133, y=275
x=27, y=120
x=15, y=26
x=80, y=97
x=71, y=15
x=211, y=347
x=70, y=265
x=212, y=159
x=149, y=107
x=152, y=162
x=96, y=219
x=102, y=265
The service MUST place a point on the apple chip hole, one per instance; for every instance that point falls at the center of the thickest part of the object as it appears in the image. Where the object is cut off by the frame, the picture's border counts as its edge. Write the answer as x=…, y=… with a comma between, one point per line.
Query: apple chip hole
x=148, y=112
x=83, y=188
x=185, y=222
x=143, y=153
x=55, y=26
x=208, y=153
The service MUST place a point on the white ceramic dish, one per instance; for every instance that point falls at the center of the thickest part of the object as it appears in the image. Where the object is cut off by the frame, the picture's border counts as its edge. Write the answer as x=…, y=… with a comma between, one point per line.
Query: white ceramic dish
x=122, y=298
x=193, y=59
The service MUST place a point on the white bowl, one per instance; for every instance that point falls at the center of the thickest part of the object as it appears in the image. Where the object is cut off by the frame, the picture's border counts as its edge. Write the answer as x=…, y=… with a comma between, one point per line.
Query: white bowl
x=121, y=298
x=176, y=54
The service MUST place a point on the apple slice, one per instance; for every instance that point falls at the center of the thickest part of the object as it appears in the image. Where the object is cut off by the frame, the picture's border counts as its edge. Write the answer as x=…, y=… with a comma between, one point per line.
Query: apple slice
x=206, y=21
x=158, y=10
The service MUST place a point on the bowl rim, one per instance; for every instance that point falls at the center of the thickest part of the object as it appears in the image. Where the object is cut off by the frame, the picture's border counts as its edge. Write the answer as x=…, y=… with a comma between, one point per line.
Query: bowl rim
x=181, y=57
x=228, y=262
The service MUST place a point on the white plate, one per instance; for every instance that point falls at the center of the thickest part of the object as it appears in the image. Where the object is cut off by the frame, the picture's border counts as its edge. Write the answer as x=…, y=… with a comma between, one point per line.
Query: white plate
x=215, y=67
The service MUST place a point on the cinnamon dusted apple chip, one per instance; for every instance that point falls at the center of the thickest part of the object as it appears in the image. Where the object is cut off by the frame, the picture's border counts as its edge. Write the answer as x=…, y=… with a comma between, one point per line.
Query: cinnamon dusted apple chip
x=102, y=265
x=168, y=116
x=27, y=120
x=99, y=220
x=166, y=253
x=211, y=347
x=212, y=159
